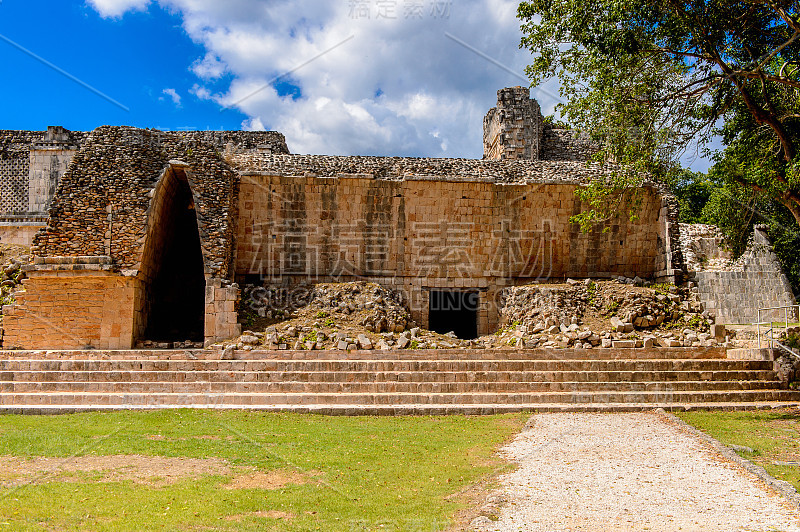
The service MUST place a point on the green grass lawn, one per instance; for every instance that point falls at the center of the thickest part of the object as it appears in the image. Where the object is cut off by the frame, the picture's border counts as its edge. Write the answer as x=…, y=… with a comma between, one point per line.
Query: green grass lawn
x=280, y=471
x=774, y=437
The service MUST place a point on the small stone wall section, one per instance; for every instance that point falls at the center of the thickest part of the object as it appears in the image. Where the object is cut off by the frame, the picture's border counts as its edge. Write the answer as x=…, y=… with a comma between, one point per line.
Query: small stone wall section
x=566, y=145
x=704, y=248
x=72, y=303
x=754, y=281
x=30, y=164
x=222, y=299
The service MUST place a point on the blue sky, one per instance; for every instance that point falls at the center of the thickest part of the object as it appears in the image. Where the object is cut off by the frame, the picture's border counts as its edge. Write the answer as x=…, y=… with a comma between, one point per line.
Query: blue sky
x=369, y=77
x=132, y=60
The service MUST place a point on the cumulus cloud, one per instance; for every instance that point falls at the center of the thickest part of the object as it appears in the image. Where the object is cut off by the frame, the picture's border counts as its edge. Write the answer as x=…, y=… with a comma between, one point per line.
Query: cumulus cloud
x=117, y=8
x=373, y=77
x=176, y=98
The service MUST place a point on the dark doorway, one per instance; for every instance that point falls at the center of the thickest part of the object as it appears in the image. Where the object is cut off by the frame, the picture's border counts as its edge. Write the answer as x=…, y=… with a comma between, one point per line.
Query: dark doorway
x=177, y=300
x=454, y=310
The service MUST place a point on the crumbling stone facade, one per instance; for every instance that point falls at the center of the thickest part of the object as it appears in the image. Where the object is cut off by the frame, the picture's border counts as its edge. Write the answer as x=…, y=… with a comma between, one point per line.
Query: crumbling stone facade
x=734, y=291
x=142, y=216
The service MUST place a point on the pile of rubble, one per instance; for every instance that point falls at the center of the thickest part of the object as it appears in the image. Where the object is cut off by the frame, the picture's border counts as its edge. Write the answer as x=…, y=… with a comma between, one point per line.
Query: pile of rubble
x=578, y=314
x=587, y=314
x=354, y=315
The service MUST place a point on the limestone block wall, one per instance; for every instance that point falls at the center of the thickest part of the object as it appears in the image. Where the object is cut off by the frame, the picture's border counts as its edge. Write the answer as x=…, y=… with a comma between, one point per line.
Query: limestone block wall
x=221, y=318
x=754, y=281
x=423, y=233
x=47, y=164
x=72, y=304
x=20, y=229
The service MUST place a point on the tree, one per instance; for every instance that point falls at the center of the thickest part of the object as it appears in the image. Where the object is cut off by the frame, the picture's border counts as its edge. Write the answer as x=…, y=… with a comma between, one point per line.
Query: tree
x=651, y=79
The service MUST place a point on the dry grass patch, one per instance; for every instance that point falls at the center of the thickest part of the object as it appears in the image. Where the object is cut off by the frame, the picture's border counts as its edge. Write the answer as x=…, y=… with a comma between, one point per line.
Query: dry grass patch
x=270, y=514
x=207, y=437
x=270, y=480
x=149, y=470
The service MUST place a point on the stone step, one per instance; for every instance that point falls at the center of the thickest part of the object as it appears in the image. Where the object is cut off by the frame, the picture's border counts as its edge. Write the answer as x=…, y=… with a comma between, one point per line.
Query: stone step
x=385, y=376
x=124, y=400
x=405, y=354
x=416, y=409
x=116, y=387
x=316, y=365
x=383, y=382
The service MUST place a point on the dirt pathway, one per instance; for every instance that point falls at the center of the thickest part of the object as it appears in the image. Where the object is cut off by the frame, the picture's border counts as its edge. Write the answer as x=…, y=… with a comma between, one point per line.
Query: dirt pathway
x=631, y=472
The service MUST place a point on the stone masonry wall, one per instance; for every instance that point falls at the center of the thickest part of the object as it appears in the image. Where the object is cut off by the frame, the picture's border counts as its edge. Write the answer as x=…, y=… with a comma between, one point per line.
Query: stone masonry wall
x=73, y=305
x=566, y=145
x=30, y=164
x=754, y=281
x=14, y=165
x=418, y=234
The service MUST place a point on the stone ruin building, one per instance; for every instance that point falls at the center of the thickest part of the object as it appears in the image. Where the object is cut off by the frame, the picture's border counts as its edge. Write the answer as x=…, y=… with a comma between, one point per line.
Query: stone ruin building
x=142, y=234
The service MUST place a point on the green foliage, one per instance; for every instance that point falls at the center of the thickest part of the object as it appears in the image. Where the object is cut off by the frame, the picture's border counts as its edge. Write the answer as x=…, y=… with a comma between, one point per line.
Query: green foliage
x=661, y=288
x=310, y=337
x=414, y=344
x=612, y=307
x=650, y=79
x=696, y=322
x=321, y=314
x=692, y=190
x=247, y=316
x=606, y=200
x=792, y=340
x=591, y=294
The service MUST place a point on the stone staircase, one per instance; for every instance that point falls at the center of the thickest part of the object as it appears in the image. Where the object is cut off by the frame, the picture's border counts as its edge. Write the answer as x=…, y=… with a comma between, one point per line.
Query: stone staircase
x=388, y=382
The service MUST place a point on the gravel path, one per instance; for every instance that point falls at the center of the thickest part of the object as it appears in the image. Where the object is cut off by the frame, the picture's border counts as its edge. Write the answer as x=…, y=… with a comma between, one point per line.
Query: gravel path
x=603, y=472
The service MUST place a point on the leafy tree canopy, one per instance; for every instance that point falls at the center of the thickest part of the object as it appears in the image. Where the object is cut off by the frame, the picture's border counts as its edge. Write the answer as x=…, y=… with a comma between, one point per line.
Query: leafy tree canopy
x=650, y=79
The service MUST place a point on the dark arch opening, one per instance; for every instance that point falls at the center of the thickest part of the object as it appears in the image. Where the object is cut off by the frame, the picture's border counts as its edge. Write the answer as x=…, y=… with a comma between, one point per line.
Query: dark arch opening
x=176, y=295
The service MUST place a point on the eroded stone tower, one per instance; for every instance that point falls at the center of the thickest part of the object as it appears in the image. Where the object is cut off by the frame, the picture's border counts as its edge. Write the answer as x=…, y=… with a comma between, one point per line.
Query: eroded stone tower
x=514, y=129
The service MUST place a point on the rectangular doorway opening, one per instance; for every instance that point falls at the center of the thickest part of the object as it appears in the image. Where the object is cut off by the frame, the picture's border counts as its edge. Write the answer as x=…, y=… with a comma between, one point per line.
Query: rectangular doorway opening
x=454, y=310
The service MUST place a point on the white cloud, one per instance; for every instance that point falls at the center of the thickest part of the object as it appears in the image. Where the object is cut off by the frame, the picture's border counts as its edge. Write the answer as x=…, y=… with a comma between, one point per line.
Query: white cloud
x=117, y=8
x=176, y=98
x=398, y=87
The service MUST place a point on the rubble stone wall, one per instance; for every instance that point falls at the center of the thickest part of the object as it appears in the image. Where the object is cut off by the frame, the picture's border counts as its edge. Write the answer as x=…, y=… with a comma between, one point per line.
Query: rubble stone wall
x=566, y=145
x=103, y=199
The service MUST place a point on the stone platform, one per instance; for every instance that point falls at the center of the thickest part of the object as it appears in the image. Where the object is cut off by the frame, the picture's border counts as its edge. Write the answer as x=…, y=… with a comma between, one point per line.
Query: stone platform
x=421, y=382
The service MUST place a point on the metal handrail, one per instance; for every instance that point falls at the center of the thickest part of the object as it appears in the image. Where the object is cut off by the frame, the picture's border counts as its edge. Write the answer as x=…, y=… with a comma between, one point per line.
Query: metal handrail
x=787, y=349
x=769, y=332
